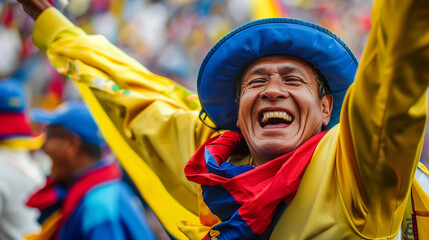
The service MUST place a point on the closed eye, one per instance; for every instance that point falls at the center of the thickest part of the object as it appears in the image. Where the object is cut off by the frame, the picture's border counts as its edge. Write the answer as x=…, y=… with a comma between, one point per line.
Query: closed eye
x=294, y=81
x=256, y=81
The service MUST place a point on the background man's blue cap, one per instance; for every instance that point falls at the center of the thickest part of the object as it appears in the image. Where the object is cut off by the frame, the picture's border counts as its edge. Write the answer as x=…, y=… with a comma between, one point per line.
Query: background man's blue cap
x=12, y=96
x=73, y=116
x=265, y=37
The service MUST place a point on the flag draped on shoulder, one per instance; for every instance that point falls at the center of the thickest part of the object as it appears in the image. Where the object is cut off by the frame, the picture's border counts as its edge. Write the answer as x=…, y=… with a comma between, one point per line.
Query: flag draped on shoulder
x=245, y=198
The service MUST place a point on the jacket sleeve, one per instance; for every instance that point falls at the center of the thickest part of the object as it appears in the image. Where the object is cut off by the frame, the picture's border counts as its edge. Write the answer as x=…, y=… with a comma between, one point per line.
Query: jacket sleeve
x=383, y=117
x=151, y=123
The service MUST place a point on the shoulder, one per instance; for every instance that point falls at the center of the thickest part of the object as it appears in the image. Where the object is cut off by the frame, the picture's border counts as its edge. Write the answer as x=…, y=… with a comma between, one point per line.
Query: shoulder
x=100, y=203
x=105, y=202
x=102, y=197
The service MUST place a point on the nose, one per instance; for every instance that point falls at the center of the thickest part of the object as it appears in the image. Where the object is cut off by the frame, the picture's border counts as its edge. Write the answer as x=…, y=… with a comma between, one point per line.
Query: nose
x=274, y=90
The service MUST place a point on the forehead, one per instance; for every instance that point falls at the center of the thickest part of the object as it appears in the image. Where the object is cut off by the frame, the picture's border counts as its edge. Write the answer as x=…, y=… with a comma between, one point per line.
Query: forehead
x=55, y=131
x=278, y=62
x=54, y=128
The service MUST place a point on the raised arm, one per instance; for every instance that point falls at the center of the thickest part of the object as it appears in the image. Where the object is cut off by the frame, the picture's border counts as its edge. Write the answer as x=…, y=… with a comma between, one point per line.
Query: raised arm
x=383, y=117
x=34, y=7
x=151, y=123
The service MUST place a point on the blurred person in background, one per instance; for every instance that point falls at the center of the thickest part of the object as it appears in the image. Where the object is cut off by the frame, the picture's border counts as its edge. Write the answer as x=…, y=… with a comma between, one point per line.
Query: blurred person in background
x=368, y=160
x=84, y=197
x=19, y=173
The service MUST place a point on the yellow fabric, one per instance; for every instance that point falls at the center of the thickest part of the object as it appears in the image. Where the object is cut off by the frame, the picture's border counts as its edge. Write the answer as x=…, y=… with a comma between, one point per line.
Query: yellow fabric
x=407, y=226
x=241, y=159
x=358, y=181
x=420, y=197
x=421, y=208
x=264, y=9
x=28, y=143
x=418, y=204
x=151, y=188
x=193, y=230
x=48, y=228
x=423, y=223
x=153, y=127
x=423, y=168
x=197, y=230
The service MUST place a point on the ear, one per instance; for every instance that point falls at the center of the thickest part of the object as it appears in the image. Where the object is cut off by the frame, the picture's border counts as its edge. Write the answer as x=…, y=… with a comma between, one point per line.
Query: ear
x=326, y=104
x=238, y=123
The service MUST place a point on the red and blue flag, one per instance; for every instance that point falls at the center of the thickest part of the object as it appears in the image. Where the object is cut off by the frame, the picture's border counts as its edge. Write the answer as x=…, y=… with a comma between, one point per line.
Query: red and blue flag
x=246, y=199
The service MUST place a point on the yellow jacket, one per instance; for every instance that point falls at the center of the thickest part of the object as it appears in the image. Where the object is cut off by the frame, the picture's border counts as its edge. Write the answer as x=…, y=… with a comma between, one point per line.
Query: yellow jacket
x=417, y=209
x=357, y=183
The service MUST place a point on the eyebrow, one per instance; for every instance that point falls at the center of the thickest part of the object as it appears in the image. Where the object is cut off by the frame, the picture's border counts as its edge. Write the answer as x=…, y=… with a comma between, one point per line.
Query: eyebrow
x=264, y=71
x=258, y=71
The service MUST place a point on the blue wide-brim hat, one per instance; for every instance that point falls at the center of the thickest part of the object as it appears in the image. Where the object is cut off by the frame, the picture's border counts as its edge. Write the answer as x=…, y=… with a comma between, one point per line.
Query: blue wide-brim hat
x=265, y=37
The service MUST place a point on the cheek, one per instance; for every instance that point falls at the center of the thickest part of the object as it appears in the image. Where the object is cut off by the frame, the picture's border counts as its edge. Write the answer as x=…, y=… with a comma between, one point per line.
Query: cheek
x=314, y=115
x=60, y=165
x=241, y=116
x=307, y=101
x=242, y=110
x=48, y=148
x=309, y=110
x=247, y=100
x=55, y=150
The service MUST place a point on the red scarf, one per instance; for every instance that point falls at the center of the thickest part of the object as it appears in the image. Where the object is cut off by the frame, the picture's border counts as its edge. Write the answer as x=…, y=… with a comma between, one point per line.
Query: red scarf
x=245, y=198
x=49, y=195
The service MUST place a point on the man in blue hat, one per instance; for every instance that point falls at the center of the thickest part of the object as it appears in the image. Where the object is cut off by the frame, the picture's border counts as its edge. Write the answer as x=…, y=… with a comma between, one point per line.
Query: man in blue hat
x=313, y=149
x=84, y=198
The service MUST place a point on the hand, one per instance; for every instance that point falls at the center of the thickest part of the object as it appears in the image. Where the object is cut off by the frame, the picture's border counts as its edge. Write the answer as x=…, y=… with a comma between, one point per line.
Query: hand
x=34, y=7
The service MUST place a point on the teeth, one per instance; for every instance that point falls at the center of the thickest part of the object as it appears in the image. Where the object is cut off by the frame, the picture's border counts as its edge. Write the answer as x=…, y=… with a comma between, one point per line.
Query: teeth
x=283, y=115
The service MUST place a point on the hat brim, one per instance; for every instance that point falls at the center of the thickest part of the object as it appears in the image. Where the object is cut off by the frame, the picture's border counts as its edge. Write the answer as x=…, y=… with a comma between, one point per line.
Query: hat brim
x=74, y=117
x=265, y=37
x=42, y=116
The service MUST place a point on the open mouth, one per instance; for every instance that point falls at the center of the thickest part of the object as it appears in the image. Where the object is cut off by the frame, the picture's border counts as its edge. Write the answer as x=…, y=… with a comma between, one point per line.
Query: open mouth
x=276, y=118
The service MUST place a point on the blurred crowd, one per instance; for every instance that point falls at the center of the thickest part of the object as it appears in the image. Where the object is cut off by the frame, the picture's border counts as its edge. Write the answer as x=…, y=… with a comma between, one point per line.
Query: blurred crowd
x=169, y=37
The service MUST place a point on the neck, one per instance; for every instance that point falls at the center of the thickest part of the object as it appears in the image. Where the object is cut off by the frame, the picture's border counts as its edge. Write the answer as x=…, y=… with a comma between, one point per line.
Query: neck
x=259, y=159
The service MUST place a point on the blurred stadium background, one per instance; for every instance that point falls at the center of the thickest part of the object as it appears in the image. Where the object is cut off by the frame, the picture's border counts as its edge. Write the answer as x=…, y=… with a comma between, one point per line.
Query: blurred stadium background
x=170, y=37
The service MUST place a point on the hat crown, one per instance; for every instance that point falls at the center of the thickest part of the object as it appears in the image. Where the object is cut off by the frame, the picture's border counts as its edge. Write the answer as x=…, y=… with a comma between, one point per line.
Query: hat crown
x=73, y=116
x=12, y=97
x=273, y=36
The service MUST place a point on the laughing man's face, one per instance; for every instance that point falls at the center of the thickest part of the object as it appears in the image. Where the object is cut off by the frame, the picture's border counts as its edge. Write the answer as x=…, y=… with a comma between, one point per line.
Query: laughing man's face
x=280, y=106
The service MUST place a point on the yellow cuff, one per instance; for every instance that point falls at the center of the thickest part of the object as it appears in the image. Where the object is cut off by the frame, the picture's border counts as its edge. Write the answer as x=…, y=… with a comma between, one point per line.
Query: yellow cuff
x=47, y=27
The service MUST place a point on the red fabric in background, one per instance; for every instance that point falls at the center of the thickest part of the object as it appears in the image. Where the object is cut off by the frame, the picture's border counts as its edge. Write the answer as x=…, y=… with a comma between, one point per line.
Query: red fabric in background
x=14, y=124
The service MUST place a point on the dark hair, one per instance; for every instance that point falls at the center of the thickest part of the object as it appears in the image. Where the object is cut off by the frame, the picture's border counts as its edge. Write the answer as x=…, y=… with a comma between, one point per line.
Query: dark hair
x=93, y=151
x=322, y=83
